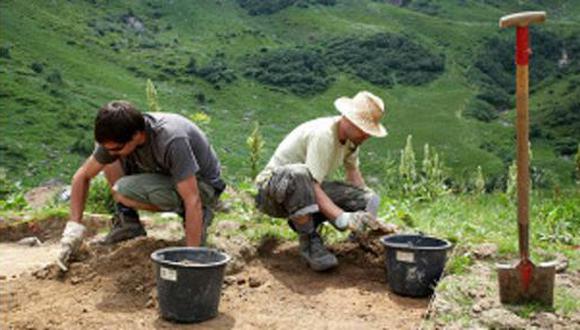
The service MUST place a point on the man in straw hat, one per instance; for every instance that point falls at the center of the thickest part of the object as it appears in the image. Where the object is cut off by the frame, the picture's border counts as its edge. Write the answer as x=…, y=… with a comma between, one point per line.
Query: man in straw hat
x=293, y=183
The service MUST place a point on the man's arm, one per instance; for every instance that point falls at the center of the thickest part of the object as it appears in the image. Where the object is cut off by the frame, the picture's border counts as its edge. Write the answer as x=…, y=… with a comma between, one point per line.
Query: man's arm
x=80, y=186
x=354, y=177
x=189, y=192
x=325, y=204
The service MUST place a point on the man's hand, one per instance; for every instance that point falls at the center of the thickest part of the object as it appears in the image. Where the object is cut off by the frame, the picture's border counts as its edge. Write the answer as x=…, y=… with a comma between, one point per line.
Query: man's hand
x=354, y=221
x=70, y=242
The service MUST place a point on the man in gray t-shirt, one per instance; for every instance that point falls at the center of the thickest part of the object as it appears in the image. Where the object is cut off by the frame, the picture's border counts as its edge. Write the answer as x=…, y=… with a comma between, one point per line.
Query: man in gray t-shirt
x=154, y=162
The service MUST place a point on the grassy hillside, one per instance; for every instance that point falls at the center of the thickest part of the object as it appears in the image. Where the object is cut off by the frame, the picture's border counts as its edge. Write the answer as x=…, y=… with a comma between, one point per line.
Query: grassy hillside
x=61, y=60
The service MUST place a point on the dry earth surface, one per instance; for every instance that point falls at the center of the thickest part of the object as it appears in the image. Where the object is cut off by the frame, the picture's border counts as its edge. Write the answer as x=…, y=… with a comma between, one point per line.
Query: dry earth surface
x=266, y=287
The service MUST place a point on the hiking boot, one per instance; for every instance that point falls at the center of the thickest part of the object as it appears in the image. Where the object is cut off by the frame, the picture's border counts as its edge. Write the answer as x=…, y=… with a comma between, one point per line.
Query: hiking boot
x=315, y=254
x=125, y=225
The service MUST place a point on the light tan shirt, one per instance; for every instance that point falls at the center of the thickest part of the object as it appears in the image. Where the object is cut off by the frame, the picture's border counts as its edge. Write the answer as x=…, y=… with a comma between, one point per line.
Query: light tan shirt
x=315, y=144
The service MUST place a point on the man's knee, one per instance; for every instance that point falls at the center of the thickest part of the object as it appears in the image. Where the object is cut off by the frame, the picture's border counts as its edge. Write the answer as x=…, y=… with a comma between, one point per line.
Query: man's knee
x=296, y=171
x=121, y=189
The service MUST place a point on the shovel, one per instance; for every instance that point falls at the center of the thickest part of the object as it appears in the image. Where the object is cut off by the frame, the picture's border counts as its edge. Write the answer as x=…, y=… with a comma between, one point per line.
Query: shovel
x=524, y=282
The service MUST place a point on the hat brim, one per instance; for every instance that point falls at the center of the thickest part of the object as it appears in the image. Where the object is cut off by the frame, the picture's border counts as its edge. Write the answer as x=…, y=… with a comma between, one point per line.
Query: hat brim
x=345, y=106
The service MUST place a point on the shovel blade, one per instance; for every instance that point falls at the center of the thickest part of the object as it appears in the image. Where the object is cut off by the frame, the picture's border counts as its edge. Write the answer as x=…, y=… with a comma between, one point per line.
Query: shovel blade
x=528, y=285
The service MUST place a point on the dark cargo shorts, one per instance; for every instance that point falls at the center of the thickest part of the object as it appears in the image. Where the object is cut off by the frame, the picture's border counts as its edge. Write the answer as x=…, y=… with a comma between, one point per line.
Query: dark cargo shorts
x=289, y=193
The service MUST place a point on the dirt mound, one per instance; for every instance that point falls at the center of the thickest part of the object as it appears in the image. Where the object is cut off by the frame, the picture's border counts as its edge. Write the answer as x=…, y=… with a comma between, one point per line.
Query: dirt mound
x=49, y=229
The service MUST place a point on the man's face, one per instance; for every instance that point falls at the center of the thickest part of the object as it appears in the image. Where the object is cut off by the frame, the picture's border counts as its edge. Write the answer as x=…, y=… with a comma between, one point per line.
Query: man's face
x=121, y=149
x=356, y=135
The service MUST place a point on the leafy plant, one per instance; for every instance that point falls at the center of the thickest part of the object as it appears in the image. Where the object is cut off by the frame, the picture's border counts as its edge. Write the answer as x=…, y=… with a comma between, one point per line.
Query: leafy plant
x=577, y=159
x=407, y=171
x=432, y=178
x=151, y=91
x=100, y=199
x=255, y=143
x=511, y=183
x=479, y=182
x=560, y=221
x=202, y=120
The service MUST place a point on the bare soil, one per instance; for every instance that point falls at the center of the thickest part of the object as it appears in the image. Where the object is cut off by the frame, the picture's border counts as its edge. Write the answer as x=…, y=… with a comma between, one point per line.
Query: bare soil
x=114, y=288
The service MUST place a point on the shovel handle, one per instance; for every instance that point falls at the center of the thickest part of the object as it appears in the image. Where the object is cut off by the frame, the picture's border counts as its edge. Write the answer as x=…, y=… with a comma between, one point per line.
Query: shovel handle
x=522, y=19
x=523, y=160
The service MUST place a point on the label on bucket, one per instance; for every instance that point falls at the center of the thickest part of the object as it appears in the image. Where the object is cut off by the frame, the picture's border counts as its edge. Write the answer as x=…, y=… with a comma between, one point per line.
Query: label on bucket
x=405, y=256
x=168, y=274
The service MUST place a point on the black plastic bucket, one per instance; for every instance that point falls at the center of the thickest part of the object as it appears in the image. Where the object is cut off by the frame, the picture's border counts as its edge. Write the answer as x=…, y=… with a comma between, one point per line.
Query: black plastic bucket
x=189, y=282
x=414, y=263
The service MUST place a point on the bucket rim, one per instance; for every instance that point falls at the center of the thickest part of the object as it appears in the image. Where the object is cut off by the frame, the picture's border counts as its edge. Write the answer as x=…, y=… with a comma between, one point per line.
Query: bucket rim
x=446, y=246
x=155, y=257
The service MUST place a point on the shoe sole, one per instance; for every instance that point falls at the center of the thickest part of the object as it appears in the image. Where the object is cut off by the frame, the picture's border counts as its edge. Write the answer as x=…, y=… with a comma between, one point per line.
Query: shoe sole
x=122, y=238
x=320, y=268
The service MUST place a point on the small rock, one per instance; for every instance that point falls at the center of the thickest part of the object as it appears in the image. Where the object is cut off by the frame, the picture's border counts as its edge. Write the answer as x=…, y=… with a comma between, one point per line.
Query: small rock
x=150, y=303
x=85, y=310
x=545, y=320
x=2, y=277
x=485, y=251
x=499, y=318
x=75, y=280
x=229, y=280
x=227, y=226
x=477, y=308
x=29, y=241
x=241, y=281
x=561, y=264
x=255, y=282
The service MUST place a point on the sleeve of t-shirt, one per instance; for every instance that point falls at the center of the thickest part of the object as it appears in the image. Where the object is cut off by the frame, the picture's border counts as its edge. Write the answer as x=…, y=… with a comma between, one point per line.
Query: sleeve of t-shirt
x=318, y=157
x=181, y=160
x=351, y=160
x=102, y=155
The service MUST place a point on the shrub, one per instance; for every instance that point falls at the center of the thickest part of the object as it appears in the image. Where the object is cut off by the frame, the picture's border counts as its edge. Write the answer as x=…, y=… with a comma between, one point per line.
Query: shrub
x=385, y=59
x=5, y=52
x=301, y=71
x=268, y=7
x=215, y=72
x=480, y=110
x=37, y=67
x=55, y=78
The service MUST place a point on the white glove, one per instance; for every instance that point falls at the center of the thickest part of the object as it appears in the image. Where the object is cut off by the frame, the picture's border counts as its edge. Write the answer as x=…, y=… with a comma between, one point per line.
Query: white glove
x=70, y=242
x=354, y=221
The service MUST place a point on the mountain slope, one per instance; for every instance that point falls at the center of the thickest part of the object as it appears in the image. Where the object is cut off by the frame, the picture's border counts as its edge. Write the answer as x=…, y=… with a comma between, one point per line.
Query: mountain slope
x=61, y=60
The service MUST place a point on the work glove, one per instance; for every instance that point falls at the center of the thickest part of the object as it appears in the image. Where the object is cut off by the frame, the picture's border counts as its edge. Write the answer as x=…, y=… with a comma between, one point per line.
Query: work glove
x=70, y=242
x=353, y=221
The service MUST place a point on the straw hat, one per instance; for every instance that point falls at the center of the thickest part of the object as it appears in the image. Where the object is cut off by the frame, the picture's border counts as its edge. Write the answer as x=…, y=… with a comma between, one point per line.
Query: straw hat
x=365, y=110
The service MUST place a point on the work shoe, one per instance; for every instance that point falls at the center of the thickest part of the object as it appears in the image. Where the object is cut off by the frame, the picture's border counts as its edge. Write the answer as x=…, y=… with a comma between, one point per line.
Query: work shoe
x=315, y=254
x=125, y=225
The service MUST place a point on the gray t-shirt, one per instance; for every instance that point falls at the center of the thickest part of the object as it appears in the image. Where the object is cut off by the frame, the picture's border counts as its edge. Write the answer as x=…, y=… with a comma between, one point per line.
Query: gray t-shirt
x=174, y=146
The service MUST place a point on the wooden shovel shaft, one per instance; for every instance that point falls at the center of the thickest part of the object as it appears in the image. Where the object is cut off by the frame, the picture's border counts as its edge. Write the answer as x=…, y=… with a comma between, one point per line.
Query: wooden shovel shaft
x=522, y=124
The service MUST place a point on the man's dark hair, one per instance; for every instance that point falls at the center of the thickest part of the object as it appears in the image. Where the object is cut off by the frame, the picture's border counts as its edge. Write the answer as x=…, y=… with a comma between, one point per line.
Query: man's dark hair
x=117, y=122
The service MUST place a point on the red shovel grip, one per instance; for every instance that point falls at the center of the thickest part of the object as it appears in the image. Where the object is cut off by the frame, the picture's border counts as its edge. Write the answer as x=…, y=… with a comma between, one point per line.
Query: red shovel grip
x=523, y=50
